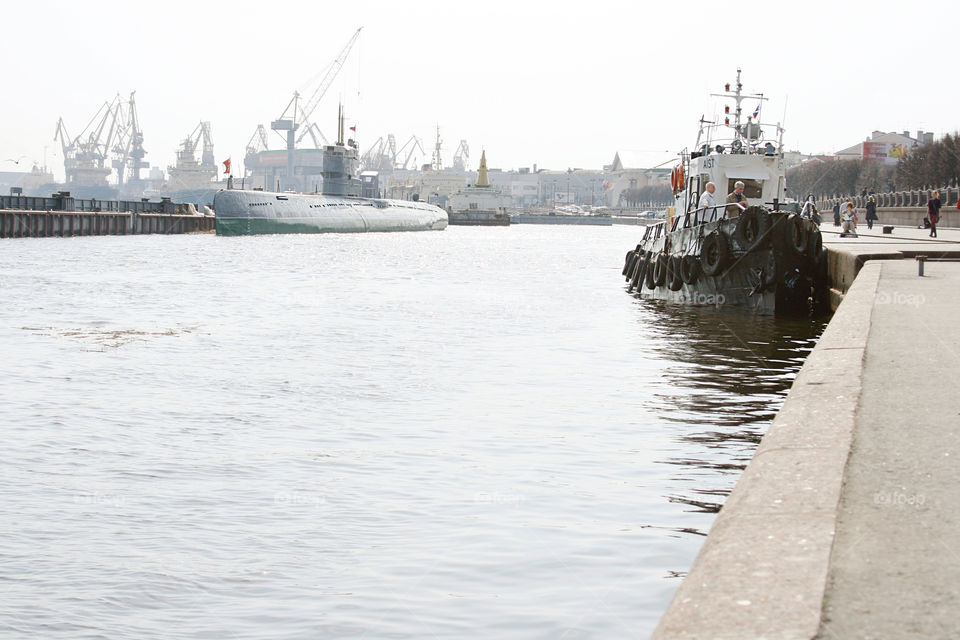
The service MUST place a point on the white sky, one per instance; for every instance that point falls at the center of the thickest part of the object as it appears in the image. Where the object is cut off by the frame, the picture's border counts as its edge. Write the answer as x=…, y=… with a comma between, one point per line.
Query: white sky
x=559, y=84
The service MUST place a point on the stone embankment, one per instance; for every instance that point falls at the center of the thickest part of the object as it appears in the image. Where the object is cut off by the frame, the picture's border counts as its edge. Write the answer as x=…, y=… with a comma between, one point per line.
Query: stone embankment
x=845, y=522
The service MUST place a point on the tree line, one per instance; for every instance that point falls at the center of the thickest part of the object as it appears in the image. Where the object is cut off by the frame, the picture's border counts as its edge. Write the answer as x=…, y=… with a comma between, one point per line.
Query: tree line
x=928, y=166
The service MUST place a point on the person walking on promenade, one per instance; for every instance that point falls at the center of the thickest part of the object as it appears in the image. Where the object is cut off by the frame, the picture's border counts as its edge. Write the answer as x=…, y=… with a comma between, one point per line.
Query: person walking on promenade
x=933, y=212
x=849, y=227
x=871, y=212
x=810, y=210
x=836, y=213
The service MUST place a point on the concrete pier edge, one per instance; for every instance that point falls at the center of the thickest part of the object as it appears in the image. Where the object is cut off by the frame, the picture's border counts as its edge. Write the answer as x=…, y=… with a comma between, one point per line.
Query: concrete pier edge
x=762, y=571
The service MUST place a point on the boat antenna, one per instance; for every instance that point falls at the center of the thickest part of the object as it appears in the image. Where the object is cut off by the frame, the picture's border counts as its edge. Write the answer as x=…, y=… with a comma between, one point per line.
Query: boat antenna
x=340, y=124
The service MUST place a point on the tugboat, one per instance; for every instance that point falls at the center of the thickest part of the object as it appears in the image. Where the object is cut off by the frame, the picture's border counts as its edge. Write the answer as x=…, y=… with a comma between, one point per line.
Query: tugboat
x=750, y=249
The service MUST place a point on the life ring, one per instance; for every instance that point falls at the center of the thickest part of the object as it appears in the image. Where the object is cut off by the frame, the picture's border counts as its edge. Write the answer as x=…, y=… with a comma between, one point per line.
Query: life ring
x=796, y=235
x=714, y=253
x=673, y=179
x=689, y=268
x=674, y=281
x=681, y=178
x=660, y=269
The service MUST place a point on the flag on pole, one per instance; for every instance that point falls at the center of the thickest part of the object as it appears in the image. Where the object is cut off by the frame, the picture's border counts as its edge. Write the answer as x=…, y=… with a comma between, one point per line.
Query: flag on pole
x=226, y=165
x=756, y=111
x=353, y=128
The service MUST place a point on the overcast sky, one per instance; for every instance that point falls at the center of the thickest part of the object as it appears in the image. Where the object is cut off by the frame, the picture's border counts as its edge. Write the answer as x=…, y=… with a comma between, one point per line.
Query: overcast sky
x=558, y=84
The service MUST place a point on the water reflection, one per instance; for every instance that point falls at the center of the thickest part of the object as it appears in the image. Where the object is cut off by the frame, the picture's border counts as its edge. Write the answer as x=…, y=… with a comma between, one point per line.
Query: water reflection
x=727, y=375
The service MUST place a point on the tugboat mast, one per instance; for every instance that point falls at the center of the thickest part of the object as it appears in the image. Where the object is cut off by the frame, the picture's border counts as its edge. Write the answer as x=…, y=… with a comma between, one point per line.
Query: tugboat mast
x=738, y=98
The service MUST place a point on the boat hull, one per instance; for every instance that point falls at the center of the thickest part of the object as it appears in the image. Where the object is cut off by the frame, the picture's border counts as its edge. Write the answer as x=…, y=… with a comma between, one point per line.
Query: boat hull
x=777, y=267
x=262, y=212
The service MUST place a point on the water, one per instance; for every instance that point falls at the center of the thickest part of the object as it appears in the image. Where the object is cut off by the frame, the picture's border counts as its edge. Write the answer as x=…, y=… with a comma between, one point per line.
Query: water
x=473, y=433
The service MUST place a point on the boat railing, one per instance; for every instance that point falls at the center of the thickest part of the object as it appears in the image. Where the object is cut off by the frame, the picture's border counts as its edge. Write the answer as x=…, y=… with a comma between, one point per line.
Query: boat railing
x=704, y=215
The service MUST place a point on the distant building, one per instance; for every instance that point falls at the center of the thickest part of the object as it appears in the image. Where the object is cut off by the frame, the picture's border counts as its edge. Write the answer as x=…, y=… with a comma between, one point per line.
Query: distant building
x=36, y=182
x=626, y=173
x=885, y=148
x=484, y=195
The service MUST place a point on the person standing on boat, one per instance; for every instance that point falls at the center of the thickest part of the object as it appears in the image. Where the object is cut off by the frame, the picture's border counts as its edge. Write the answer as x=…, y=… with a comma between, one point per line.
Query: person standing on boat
x=707, y=200
x=933, y=212
x=836, y=213
x=871, y=212
x=737, y=200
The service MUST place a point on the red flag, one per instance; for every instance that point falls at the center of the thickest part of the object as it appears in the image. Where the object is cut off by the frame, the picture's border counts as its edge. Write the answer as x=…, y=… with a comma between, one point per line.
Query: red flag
x=226, y=165
x=353, y=128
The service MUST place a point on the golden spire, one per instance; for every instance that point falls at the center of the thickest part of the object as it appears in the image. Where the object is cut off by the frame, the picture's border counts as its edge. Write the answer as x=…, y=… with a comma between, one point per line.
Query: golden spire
x=482, y=179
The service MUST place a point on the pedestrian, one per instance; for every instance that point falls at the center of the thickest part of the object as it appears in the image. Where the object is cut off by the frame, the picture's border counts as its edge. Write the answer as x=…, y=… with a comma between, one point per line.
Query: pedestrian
x=849, y=227
x=871, y=212
x=836, y=213
x=809, y=210
x=933, y=212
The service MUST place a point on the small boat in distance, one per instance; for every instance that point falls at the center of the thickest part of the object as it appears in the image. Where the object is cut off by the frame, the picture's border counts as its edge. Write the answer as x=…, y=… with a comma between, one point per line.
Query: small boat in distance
x=338, y=209
x=753, y=252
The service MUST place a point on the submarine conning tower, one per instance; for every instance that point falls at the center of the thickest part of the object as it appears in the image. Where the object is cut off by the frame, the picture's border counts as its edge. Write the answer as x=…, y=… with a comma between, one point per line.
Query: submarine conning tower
x=340, y=165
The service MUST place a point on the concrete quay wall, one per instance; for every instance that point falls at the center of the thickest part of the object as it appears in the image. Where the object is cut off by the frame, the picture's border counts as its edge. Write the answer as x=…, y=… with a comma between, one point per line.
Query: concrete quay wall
x=805, y=546
x=762, y=571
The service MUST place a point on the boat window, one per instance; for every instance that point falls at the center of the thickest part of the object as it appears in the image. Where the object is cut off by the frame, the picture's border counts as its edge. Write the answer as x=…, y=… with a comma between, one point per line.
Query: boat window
x=751, y=188
x=282, y=198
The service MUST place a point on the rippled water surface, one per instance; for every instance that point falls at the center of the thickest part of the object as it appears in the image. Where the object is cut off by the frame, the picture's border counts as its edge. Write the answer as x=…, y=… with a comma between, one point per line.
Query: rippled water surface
x=474, y=433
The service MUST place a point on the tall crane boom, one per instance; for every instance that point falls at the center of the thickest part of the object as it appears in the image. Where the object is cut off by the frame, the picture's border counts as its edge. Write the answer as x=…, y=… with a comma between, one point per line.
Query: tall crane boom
x=328, y=78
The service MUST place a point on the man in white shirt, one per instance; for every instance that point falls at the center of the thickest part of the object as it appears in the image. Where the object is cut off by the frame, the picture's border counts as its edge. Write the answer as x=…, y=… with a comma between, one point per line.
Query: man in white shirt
x=707, y=199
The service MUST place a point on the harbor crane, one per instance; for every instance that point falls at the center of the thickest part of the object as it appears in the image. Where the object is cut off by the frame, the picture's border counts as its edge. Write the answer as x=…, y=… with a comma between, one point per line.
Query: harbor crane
x=188, y=148
x=113, y=130
x=414, y=143
x=128, y=148
x=84, y=156
x=258, y=142
x=296, y=117
x=461, y=158
x=381, y=156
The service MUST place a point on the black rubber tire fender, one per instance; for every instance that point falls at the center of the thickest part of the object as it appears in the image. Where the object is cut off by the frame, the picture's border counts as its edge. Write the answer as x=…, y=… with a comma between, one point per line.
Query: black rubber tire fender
x=689, y=268
x=674, y=281
x=648, y=271
x=627, y=262
x=660, y=269
x=796, y=234
x=714, y=253
x=748, y=228
x=815, y=244
x=637, y=274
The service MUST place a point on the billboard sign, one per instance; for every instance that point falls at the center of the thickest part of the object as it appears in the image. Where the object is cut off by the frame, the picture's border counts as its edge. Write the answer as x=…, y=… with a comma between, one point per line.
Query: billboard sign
x=884, y=152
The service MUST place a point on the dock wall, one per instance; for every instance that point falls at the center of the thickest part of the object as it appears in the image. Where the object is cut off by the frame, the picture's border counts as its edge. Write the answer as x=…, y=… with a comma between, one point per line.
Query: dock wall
x=63, y=224
x=762, y=571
